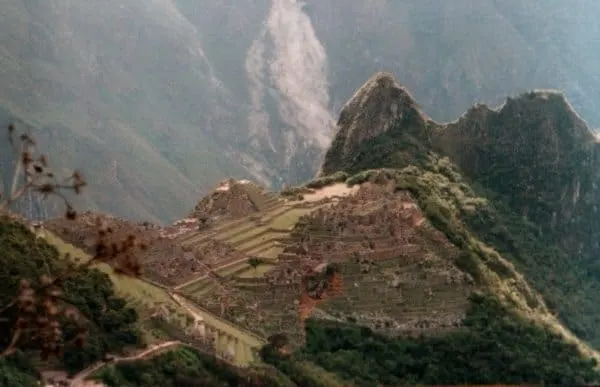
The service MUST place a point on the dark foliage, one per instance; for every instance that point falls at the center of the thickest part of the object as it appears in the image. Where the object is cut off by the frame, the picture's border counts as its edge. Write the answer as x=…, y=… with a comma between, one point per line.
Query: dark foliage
x=496, y=346
x=183, y=367
x=17, y=371
x=110, y=322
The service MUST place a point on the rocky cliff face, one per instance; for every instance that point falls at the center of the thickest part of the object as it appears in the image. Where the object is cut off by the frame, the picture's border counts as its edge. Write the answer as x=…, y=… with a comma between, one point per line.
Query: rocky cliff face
x=287, y=74
x=375, y=109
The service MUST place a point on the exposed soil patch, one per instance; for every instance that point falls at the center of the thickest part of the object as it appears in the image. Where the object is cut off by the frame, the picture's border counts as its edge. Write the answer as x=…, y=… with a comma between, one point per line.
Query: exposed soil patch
x=331, y=191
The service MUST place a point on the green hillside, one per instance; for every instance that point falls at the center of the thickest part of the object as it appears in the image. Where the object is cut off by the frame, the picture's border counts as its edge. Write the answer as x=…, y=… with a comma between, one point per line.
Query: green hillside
x=113, y=323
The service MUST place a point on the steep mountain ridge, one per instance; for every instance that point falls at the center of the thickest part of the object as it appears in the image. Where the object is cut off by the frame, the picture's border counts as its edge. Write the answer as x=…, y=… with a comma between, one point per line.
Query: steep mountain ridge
x=382, y=127
x=536, y=164
x=481, y=51
x=540, y=155
x=387, y=256
x=380, y=103
x=523, y=150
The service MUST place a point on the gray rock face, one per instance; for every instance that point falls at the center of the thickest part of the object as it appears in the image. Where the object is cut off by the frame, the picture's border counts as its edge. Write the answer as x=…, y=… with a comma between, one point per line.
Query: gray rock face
x=376, y=107
x=373, y=110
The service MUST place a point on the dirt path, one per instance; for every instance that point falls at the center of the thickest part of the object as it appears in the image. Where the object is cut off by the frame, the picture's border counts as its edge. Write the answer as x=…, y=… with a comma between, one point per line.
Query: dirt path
x=183, y=285
x=79, y=379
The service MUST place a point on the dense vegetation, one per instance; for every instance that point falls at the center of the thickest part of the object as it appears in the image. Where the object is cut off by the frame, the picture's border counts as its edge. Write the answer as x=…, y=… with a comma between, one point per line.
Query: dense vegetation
x=495, y=346
x=186, y=367
x=181, y=367
x=112, y=327
x=111, y=323
x=570, y=288
x=17, y=371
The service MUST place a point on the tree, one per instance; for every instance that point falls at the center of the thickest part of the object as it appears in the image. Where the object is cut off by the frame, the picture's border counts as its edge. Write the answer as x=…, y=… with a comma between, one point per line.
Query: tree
x=39, y=315
x=255, y=263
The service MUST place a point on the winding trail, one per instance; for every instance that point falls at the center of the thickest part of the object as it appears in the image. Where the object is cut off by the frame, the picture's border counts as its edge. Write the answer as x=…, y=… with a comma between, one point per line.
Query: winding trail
x=196, y=279
x=80, y=378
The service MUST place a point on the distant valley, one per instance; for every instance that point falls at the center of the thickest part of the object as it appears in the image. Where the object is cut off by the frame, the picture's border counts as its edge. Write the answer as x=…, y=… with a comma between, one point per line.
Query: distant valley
x=158, y=101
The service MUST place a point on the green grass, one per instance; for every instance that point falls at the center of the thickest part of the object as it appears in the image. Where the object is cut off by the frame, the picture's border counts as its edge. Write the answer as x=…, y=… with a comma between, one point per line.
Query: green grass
x=199, y=293
x=251, y=235
x=196, y=238
x=232, y=268
x=141, y=295
x=197, y=285
x=289, y=219
x=269, y=251
x=262, y=240
x=242, y=226
x=276, y=211
x=126, y=286
x=260, y=271
x=253, y=231
x=229, y=224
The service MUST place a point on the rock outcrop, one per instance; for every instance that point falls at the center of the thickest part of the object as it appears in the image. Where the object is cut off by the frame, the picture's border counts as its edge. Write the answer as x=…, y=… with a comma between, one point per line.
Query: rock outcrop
x=534, y=150
x=379, y=105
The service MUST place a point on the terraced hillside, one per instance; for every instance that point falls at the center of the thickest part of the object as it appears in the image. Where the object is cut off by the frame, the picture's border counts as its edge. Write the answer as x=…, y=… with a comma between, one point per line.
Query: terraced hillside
x=205, y=272
x=264, y=271
x=146, y=297
x=235, y=245
x=214, y=265
x=360, y=251
x=397, y=268
x=393, y=236
x=165, y=315
x=373, y=235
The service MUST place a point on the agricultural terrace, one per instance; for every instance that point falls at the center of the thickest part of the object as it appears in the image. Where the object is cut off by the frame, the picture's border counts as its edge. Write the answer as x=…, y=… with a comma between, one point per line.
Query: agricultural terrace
x=148, y=299
x=248, y=247
x=165, y=315
x=388, y=255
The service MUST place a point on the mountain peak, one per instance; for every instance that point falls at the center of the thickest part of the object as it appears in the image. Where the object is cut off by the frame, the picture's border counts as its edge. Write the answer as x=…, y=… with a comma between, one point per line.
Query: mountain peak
x=233, y=199
x=553, y=105
x=534, y=150
x=375, y=108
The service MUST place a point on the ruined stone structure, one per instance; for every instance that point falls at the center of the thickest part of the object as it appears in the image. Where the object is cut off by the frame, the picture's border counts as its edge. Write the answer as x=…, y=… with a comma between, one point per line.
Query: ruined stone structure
x=389, y=255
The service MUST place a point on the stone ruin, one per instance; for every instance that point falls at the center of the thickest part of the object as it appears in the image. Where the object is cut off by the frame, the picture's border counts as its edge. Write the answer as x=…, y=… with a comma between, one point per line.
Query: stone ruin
x=375, y=221
x=186, y=263
x=230, y=199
